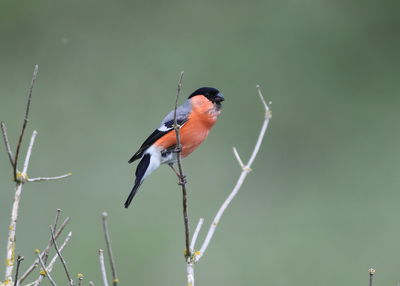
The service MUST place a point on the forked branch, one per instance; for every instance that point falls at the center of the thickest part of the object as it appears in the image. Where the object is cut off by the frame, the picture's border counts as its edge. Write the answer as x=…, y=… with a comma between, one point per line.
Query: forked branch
x=28, y=106
x=246, y=168
x=64, y=263
x=20, y=178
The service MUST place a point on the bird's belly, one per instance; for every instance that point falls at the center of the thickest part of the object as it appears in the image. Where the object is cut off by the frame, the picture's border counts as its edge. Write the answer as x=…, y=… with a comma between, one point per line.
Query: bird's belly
x=191, y=138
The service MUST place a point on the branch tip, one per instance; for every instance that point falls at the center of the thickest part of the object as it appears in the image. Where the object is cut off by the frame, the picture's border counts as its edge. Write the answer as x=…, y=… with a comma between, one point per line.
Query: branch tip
x=70, y=281
x=103, y=267
x=246, y=168
x=262, y=97
x=28, y=105
x=238, y=157
x=109, y=249
x=7, y=143
x=196, y=233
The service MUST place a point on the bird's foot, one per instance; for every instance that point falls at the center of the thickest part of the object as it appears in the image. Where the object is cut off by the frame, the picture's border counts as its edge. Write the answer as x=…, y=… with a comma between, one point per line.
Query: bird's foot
x=182, y=180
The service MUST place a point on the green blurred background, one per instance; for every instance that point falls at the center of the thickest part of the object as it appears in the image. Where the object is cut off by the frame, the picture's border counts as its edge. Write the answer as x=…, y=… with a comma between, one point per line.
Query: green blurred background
x=320, y=207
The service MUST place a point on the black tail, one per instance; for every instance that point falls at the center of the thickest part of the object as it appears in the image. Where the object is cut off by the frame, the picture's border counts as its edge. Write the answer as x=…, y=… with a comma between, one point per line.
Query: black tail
x=140, y=171
x=132, y=194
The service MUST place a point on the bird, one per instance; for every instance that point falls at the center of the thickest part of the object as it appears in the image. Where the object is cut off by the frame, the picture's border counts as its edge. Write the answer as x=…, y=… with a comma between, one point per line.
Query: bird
x=196, y=117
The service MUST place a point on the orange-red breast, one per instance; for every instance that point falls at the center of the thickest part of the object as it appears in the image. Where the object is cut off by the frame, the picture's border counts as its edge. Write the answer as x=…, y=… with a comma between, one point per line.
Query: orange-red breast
x=196, y=117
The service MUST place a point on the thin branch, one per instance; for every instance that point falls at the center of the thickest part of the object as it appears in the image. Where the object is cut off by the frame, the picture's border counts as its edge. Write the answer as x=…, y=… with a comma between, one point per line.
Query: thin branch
x=47, y=273
x=46, y=253
x=10, y=252
x=109, y=249
x=182, y=178
x=245, y=171
x=238, y=157
x=28, y=153
x=19, y=259
x=50, y=244
x=58, y=212
x=196, y=233
x=371, y=273
x=53, y=260
x=41, y=179
x=80, y=278
x=103, y=267
x=7, y=143
x=268, y=116
x=266, y=106
x=71, y=282
x=35, y=72
x=178, y=91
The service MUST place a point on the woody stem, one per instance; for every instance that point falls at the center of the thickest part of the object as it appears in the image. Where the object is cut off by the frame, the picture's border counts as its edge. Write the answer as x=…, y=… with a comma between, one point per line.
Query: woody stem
x=182, y=178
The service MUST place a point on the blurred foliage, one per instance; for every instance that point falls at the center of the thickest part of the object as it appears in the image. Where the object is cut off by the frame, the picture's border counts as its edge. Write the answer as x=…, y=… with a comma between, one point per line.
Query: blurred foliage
x=321, y=205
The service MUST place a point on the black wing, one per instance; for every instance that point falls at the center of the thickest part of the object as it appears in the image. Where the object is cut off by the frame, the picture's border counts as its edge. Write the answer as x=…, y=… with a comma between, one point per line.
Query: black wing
x=157, y=134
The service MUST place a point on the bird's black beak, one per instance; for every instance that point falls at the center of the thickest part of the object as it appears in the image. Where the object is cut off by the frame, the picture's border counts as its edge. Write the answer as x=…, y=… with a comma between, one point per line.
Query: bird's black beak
x=219, y=98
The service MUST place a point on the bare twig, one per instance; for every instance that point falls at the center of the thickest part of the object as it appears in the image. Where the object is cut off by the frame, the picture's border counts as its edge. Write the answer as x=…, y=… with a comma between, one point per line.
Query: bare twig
x=20, y=178
x=53, y=260
x=28, y=154
x=7, y=143
x=46, y=252
x=182, y=178
x=80, y=278
x=46, y=272
x=238, y=157
x=371, y=273
x=109, y=249
x=35, y=72
x=103, y=267
x=19, y=259
x=42, y=179
x=70, y=280
x=196, y=233
x=58, y=212
x=245, y=171
x=195, y=257
x=50, y=244
x=190, y=261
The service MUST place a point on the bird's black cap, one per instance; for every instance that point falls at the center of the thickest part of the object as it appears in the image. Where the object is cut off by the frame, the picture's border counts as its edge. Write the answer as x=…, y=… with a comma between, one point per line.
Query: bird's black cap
x=211, y=93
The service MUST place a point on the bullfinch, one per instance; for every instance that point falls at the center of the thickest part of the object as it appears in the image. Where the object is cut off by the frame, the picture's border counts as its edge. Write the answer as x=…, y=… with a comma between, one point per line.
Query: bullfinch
x=196, y=117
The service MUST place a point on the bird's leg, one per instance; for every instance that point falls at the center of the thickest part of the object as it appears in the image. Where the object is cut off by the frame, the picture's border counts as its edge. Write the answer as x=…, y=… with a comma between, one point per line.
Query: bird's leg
x=182, y=180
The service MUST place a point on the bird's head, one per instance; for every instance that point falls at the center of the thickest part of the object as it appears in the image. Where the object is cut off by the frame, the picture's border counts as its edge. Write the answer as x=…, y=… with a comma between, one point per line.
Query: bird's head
x=212, y=94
